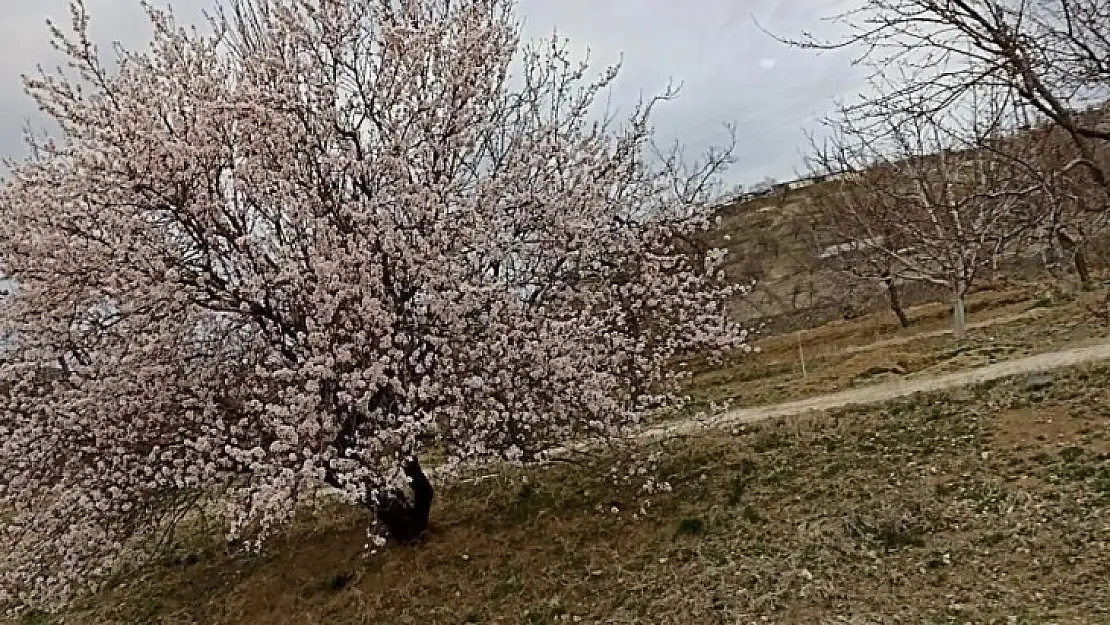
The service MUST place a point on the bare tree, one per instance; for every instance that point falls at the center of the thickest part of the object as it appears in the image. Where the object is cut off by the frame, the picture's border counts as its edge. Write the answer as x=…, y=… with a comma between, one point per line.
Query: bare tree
x=917, y=197
x=859, y=258
x=1054, y=55
x=1074, y=212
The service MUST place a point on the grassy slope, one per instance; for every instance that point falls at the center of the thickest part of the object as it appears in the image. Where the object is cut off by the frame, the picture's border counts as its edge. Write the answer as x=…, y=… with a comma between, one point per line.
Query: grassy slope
x=797, y=521
x=1024, y=319
x=980, y=506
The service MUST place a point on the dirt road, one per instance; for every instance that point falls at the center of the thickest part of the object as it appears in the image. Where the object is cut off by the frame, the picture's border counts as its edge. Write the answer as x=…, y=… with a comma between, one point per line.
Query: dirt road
x=873, y=394
x=890, y=390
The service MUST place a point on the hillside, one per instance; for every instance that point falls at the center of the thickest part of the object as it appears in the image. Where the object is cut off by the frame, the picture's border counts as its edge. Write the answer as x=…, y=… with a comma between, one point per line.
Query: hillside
x=985, y=505
x=776, y=243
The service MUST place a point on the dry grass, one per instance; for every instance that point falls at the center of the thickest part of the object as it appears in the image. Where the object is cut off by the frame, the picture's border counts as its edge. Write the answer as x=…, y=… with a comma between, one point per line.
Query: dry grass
x=989, y=505
x=1023, y=320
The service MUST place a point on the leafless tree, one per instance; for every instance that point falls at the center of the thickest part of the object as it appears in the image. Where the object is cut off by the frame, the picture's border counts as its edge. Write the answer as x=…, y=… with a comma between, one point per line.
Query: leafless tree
x=1075, y=211
x=920, y=197
x=1054, y=55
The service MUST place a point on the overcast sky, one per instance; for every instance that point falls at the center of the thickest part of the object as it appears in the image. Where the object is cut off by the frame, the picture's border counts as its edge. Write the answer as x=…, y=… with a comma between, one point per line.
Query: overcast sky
x=730, y=70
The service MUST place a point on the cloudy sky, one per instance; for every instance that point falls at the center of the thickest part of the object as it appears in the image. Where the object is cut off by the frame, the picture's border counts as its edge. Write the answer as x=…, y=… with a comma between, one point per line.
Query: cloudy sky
x=730, y=70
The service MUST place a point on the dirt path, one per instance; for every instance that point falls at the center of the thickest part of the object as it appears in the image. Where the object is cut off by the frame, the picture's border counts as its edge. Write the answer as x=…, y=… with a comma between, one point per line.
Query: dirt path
x=872, y=394
x=890, y=390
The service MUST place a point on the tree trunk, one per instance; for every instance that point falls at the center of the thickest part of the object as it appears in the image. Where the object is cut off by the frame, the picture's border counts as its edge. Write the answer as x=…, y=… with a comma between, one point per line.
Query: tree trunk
x=1081, y=266
x=959, y=316
x=407, y=520
x=896, y=301
x=1075, y=247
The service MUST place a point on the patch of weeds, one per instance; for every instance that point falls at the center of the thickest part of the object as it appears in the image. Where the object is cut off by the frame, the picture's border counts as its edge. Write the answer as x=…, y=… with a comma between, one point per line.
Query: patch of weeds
x=34, y=617
x=988, y=385
x=691, y=527
x=895, y=535
x=935, y=562
x=1071, y=454
x=178, y=559
x=737, y=486
x=751, y=515
x=528, y=504
x=555, y=615
x=986, y=497
x=719, y=557
x=1078, y=472
x=944, y=489
x=769, y=441
x=1102, y=484
x=781, y=476
x=745, y=467
x=891, y=534
x=991, y=539
x=832, y=469
x=934, y=413
x=1045, y=301
x=339, y=581
x=506, y=588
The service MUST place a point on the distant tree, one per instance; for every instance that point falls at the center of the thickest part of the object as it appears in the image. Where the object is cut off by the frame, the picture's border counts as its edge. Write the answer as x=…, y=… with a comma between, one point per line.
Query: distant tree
x=764, y=186
x=1077, y=213
x=929, y=199
x=312, y=246
x=1053, y=55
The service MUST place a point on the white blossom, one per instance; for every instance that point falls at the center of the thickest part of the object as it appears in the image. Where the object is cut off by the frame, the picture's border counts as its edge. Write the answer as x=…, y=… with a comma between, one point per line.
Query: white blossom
x=305, y=252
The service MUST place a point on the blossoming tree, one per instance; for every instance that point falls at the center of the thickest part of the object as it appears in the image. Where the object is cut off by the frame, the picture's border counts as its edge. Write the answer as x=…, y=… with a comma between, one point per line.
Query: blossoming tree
x=311, y=243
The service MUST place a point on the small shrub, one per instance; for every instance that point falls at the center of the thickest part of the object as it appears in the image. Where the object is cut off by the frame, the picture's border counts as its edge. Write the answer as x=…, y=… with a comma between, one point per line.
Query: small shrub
x=339, y=581
x=1071, y=454
x=896, y=535
x=1102, y=483
x=527, y=504
x=737, y=486
x=691, y=527
x=751, y=515
x=768, y=441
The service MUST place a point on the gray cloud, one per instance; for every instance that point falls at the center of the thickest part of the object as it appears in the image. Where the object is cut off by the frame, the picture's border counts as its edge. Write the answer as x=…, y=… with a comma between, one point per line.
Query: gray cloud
x=730, y=70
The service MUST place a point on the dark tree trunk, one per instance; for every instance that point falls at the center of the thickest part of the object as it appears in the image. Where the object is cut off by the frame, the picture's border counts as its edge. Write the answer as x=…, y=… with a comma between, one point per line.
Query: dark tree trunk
x=406, y=519
x=896, y=301
x=1081, y=265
